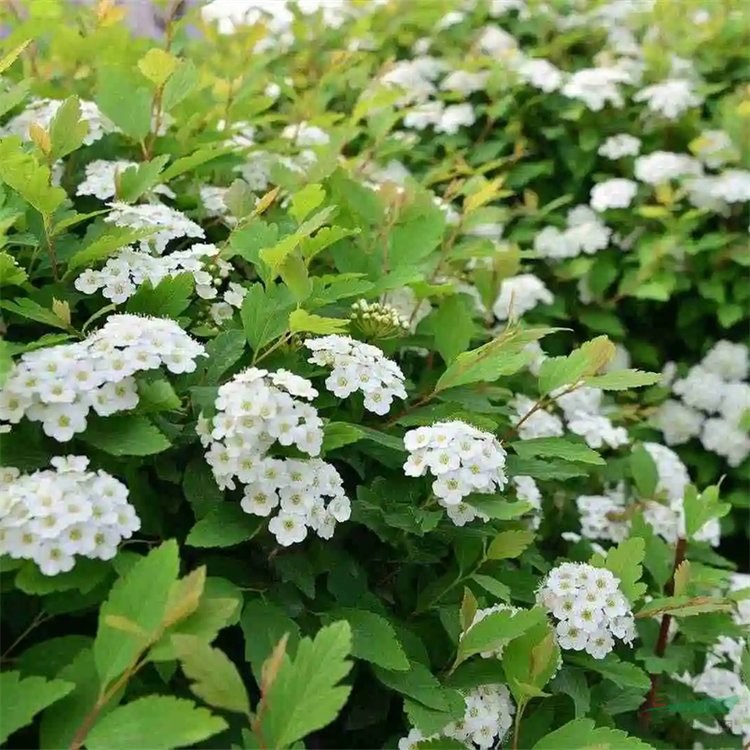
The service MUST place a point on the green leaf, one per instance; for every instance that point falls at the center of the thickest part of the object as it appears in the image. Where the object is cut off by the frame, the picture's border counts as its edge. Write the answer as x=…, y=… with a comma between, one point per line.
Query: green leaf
x=157, y=65
x=572, y=682
x=418, y=683
x=294, y=274
x=453, y=327
x=496, y=630
x=302, y=321
x=157, y=722
x=264, y=624
x=214, y=678
x=624, y=561
x=501, y=356
x=11, y=274
x=125, y=436
x=306, y=695
x=105, y=245
x=30, y=179
x=224, y=526
x=557, y=447
x=623, y=380
x=157, y=395
x=265, y=314
x=9, y=58
x=27, y=308
x=699, y=509
x=140, y=596
x=139, y=179
x=67, y=130
x=644, y=471
x=685, y=606
x=587, y=360
x=180, y=84
x=305, y=201
x=324, y=237
x=338, y=434
x=531, y=660
x=497, y=507
x=583, y=734
x=498, y=589
x=123, y=96
x=373, y=638
x=223, y=353
x=22, y=699
x=413, y=241
x=170, y=297
x=509, y=544
x=86, y=575
x=239, y=199
x=622, y=673
x=191, y=161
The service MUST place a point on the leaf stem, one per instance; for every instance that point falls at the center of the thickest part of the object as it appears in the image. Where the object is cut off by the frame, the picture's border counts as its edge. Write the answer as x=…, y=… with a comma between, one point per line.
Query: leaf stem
x=517, y=724
x=662, y=640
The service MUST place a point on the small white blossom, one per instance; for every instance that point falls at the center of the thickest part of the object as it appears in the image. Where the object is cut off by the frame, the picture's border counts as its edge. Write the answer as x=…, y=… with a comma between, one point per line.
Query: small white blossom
x=670, y=99
x=520, y=294
x=614, y=193
x=619, y=146
x=101, y=178
x=664, y=166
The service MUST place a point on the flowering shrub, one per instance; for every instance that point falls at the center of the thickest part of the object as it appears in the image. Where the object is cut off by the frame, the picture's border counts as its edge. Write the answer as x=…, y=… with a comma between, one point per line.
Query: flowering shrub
x=373, y=375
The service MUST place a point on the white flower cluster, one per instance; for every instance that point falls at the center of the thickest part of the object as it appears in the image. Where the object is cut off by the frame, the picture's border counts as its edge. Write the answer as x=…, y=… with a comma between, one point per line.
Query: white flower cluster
x=358, y=367
x=121, y=275
x=540, y=424
x=58, y=386
x=42, y=111
x=520, y=294
x=212, y=198
x=528, y=491
x=614, y=193
x=444, y=119
x=168, y=223
x=670, y=98
x=590, y=609
x=305, y=135
x=585, y=233
x=254, y=410
x=604, y=516
x=715, y=396
x=53, y=515
x=488, y=717
x=101, y=177
x=231, y=300
x=584, y=417
x=597, y=87
x=660, y=167
x=463, y=460
x=619, y=146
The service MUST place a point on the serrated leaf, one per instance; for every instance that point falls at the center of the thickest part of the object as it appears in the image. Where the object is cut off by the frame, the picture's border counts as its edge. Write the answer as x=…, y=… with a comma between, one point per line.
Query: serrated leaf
x=509, y=544
x=622, y=673
x=11, y=274
x=624, y=561
x=123, y=96
x=129, y=435
x=157, y=722
x=623, y=379
x=501, y=356
x=305, y=201
x=27, y=308
x=700, y=509
x=67, y=130
x=373, y=638
x=105, y=245
x=301, y=321
x=453, y=327
x=496, y=630
x=9, y=58
x=265, y=314
x=418, y=683
x=138, y=179
x=294, y=274
x=557, y=447
x=338, y=434
x=214, y=679
x=306, y=694
x=497, y=588
x=157, y=65
x=23, y=698
x=224, y=526
x=191, y=161
x=180, y=84
x=685, y=606
x=496, y=506
x=170, y=297
x=681, y=578
x=572, y=682
x=30, y=179
x=583, y=734
x=531, y=660
x=430, y=721
x=264, y=624
x=644, y=471
x=141, y=596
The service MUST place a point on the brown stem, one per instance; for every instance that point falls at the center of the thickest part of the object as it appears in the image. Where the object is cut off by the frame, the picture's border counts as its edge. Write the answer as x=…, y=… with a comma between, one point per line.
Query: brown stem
x=661, y=641
x=38, y=620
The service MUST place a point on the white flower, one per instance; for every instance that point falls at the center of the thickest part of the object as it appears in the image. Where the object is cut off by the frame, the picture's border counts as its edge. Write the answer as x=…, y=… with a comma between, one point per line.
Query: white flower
x=678, y=422
x=614, y=193
x=358, y=367
x=462, y=458
x=424, y=115
x=596, y=87
x=303, y=134
x=519, y=294
x=598, y=431
x=701, y=388
x=725, y=439
x=168, y=223
x=498, y=43
x=59, y=385
x=101, y=177
x=540, y=74
x=288, y=528
x=735, y=401
x=585, y=233
x=212, y=198
x=714, y=148
x=53, y=515
x=464, y=82
x=454, y=117
x=619, y=146
x=604, y=516
x=664, y=166
x=589, y=606
x=670, y=98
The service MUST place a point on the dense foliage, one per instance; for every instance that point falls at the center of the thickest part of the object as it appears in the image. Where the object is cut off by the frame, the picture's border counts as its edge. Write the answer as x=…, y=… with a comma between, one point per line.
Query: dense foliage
x=373, y=375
